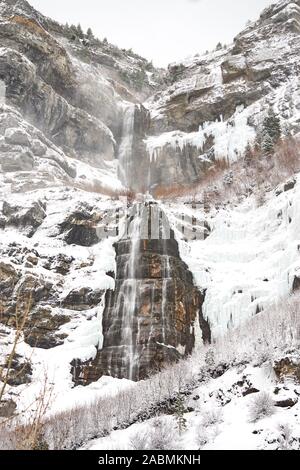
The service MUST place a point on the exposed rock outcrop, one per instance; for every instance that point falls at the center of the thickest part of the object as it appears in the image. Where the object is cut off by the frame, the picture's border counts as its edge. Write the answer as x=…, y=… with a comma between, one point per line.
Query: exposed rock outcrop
x=42, y=328
x=287, y=367
x=151, y=316
x=84, y=298
x=29, y=218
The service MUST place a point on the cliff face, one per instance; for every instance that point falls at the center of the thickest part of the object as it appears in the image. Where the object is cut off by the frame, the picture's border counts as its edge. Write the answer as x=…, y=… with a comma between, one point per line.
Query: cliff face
x=76, y=91
x=217, y=101
x=151, y=316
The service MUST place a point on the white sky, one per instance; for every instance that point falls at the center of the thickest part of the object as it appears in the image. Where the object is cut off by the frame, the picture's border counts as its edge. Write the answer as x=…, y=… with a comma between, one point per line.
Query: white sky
x=160, y=30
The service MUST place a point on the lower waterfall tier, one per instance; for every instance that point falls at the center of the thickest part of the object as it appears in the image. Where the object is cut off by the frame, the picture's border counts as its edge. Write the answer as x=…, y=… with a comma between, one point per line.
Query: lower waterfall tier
x=150, y=318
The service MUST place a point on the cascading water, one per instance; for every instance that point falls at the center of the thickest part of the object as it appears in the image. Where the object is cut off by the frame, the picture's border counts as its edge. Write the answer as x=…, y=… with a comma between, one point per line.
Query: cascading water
x=148, y=318
x=128, y=292
x=126, y=145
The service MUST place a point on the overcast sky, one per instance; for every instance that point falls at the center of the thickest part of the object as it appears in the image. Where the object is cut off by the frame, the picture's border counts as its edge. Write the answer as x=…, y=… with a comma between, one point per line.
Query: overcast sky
x=160, y=30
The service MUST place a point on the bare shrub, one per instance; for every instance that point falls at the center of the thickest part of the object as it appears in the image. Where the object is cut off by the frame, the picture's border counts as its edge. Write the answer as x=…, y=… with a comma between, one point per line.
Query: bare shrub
x=202, y=437
x=212, y=417
x=97, y=187
x=287, y=156
x=140, y=440
x=21, y=316
x=261, y=407
x=163, y=435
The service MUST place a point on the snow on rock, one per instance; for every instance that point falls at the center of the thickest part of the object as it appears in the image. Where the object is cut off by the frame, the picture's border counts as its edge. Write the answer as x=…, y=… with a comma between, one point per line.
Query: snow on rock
x=85, y=267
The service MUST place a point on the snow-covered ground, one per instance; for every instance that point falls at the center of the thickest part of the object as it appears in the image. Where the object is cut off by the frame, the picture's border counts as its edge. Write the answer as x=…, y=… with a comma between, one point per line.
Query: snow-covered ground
x=222, y=417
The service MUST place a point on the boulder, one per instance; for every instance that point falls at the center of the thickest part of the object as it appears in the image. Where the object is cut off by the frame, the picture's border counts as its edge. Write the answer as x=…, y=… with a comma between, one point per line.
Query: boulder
x=287, y=367
x=296, y=284
x=12, y=162
x=17, y=136
x=80, y=227
x=60, y=263
x=84, y=298
x=30, y=217
x=42, y=328
x=20, y=372
x=287, y=403
x=38, y=148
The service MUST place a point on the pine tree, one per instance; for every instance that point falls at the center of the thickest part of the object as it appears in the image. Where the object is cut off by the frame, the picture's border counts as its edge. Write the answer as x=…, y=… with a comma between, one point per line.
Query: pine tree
x=219, y=46
x=79, y=31
x=67, y=30
x=73, y=32
x=179, y=414
x=271, y=132
x=90, y=34
x=267, y=144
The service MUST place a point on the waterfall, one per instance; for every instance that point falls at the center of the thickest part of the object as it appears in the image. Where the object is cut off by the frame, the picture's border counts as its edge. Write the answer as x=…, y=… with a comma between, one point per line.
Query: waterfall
x=130, y=288
x=165, y=281
x=149, y=317
x=126, y=299
x=126, y=145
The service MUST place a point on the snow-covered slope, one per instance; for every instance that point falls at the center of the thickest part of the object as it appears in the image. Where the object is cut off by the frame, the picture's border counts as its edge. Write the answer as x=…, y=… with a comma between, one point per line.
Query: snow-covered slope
x=250, y=259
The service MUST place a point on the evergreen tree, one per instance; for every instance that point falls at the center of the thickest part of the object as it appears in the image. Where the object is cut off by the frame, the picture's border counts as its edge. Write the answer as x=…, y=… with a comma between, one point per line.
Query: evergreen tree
x=105, y=41
x=79, y=31
x=68, y=30
x=90, y=34
x=179, y=414
x=271, y=132
x=73, y=32
x=267, y=144
x=219, y=46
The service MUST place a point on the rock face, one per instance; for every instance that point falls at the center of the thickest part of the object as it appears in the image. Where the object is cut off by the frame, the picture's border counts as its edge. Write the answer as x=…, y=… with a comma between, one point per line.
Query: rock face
x=151, y=316
x=28, y=218
x=42, y=328
x=226, y=92
x=287, y=367
x=217, y=83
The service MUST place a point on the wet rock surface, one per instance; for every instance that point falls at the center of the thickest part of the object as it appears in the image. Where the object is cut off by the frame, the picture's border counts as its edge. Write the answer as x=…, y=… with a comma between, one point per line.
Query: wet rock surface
x=165, y=310
x=84, y=298
x=42, y=329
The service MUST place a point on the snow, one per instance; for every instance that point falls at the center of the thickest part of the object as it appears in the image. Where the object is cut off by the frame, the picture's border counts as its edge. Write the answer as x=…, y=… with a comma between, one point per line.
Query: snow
x=230, y=138
x=233, y=429
x=249, y=260
x=84, y=331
